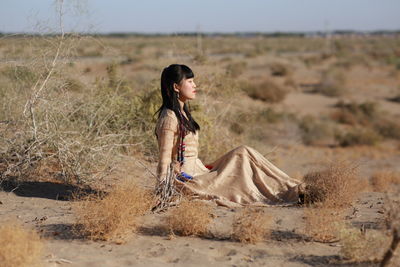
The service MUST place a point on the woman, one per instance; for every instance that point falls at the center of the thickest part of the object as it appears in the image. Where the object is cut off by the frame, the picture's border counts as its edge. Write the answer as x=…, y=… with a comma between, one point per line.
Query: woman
x=240, y=177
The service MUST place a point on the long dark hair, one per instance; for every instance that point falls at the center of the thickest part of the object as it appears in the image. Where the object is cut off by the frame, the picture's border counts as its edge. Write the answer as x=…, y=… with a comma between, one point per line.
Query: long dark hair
x=175, y=73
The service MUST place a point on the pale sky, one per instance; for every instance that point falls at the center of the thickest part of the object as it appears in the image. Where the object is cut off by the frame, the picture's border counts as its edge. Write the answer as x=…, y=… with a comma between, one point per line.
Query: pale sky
x=174, y=16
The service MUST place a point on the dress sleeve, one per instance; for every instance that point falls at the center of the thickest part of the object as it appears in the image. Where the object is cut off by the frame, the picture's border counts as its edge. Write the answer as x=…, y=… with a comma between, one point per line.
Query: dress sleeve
x=167, y=133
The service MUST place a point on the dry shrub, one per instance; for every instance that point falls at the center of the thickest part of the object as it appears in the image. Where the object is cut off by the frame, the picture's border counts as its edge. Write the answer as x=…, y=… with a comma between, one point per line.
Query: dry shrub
x=269, y=115
x=334, y=186
x=332, y=83
x=315, y=132
x=290, y=82
x=19, y=246
x=322, y=223
x=375, y=123
x=244, y=121
x=200, y=58
x=383, y=181
x=190, y=218
x=251, y=225
x=113, y=215
x=267, y=91
x=361, y=246
x=236, y=69
x=392, y=210
x=57, y=115
x=392, y=219
x=279, y=69
x=358, y=136
x=356, y=113
x=345, y=116
x=213, y=142
x=20, y=74
x=388, y=128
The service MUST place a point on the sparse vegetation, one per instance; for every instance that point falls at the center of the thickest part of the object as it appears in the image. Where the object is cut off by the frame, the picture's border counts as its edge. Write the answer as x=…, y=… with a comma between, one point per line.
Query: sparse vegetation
x=358, y=136
x=322, y=223
x=361, y=246
x=267, y=91
x=80, y=133
x=315, y=132
x=387, y=128
x=332, y=83
x=353, y=113
x=19, y=247
x=335, y=186
x=236, y=69
x=279, y=69
x=73, y=85
x=94, y=112
x=190, y=218
x=251, y=225
x=112, y=215
x=383, y=181
x=392, y=219
x=370, y=125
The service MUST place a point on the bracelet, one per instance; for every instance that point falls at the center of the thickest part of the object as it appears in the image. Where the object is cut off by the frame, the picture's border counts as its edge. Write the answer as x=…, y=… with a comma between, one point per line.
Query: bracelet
x=184, y=177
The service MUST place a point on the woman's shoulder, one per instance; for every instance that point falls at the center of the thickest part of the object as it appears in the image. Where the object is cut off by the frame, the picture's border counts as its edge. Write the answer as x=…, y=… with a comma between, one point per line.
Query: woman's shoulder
x=168, y=114
x=168, y=120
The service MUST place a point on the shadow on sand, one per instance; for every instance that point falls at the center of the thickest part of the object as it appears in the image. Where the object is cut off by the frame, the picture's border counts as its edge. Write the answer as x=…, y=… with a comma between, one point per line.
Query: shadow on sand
x=278, y=235
x=60, y=231
x=49, y=190
x=331, y=260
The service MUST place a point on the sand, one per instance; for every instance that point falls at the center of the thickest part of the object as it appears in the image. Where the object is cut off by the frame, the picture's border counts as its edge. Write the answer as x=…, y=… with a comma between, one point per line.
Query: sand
x=39, y=207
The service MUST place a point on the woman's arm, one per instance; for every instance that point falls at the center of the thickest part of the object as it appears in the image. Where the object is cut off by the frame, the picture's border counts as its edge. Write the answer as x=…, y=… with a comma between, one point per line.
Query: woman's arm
x=167, y=139
x=166, y=146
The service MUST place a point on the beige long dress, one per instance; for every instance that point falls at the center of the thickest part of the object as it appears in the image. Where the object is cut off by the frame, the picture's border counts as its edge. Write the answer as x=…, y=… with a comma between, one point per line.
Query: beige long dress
x=240, y=177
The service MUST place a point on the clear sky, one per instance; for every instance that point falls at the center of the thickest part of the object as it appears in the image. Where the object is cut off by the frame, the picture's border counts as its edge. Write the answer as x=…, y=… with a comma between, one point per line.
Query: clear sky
x=173, y=16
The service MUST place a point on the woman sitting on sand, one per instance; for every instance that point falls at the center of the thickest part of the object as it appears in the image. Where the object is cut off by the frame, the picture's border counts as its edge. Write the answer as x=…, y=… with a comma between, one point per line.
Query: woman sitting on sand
x=241, y=176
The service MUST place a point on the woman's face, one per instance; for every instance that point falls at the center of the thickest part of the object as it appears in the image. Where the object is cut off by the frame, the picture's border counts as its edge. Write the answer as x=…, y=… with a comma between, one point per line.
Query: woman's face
x=186, y=89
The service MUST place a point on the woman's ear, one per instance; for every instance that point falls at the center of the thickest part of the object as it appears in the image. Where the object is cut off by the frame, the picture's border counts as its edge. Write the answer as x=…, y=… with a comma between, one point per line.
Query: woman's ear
x=176, y=87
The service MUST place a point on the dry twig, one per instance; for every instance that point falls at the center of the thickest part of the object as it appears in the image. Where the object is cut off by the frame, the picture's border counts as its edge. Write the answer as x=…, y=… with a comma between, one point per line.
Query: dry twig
x=167, y=193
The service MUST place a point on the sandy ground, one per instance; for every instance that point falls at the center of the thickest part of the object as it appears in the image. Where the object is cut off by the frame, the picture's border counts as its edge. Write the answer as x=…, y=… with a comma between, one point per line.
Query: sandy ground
x=43, y=205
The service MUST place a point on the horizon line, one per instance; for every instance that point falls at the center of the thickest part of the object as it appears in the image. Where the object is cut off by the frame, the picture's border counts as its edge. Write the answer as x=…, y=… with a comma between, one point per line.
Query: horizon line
x=318, y=32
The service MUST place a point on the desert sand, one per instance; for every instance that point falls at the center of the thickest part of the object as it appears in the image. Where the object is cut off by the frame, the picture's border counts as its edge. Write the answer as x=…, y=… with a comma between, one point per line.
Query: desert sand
x=45, y=204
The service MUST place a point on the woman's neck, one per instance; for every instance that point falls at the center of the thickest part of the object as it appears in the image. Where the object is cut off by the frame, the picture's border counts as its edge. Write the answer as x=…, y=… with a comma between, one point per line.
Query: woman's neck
x=181, y=104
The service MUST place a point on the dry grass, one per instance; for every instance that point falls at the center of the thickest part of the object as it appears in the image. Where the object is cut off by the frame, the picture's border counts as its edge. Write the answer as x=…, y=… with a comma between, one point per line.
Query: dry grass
x=113, y=215
x=333, y=83
x=251, y=226
x=322, y=223
x=18, y=246
x=267, y=91
x=392, y=219
x=314, y=131
x=373, y=245
x=358, y=136
x=360, y=246
x=356, y=113
x=236, y=69
x=392, y=210
x=383, y=181
x=388, y=128
x=279, y=69
x=335, y=186
x=190, y=218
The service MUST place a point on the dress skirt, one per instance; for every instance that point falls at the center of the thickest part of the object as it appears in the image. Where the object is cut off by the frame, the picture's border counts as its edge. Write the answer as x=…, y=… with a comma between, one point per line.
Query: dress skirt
x=243, y=176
